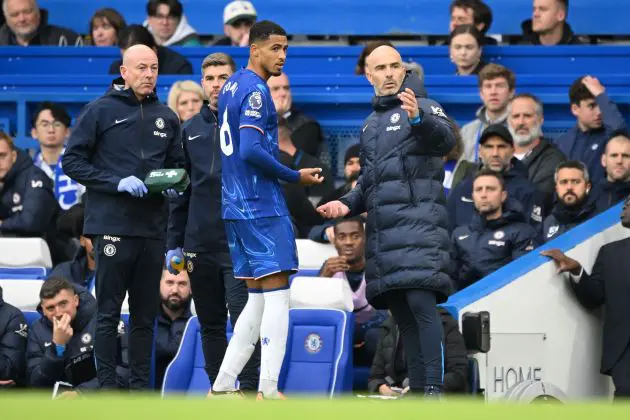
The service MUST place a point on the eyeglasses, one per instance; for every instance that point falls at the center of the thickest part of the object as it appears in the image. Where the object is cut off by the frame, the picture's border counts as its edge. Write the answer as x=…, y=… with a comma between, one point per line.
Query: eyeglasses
x=55, y=124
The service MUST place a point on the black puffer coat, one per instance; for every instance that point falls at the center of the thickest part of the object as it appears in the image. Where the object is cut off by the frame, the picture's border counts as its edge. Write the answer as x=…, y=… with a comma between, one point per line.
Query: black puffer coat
x=401, y=189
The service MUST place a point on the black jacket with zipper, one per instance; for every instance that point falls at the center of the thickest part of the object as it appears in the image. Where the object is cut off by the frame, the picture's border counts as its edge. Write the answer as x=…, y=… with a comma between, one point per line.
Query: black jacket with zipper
x=117, y=136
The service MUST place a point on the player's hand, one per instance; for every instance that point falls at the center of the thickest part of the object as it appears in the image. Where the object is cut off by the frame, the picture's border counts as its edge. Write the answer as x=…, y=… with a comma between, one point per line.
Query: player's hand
x=334, y=265
x=62, y=331
x=333, y=209
x=173, y=253
x=409, y=103
x=563, y=262
x=133, y=186
x=593, y=85
x=311, y=176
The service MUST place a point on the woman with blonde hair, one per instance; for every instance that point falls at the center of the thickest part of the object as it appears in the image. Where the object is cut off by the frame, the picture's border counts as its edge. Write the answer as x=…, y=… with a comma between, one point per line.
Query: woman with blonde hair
x=186, y=99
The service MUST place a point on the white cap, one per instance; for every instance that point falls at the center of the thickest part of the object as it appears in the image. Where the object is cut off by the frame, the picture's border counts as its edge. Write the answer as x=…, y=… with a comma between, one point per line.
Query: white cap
x=236, y=10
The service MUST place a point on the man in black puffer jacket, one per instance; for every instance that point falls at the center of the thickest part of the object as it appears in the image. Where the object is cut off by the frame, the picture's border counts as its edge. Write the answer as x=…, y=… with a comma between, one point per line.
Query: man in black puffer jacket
x=400, y=187
x=497, y=234
x=13, y=333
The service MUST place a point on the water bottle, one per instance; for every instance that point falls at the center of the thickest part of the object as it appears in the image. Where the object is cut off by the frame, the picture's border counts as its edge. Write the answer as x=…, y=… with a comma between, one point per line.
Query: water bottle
x=177, y=263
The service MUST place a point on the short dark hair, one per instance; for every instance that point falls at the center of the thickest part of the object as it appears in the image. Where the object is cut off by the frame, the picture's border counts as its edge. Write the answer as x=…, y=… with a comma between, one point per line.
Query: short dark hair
x=218, y=59
x=482, y=13
x=357, y=220
x=578, y=92
x=263, y=30
x=572, y=164
x=367, y=50
x=53, y=286
x=489, y=172
x=110, y=15
x=136, y=35
x=494, y=71
x=58, y=112
x=462, y=4
x=175, y=8
x=467, y=29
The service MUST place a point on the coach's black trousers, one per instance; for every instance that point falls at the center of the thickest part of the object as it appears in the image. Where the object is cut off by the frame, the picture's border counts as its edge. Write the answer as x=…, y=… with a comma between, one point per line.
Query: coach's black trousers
x=213, y=283
x=133, y=265
x=422, y=334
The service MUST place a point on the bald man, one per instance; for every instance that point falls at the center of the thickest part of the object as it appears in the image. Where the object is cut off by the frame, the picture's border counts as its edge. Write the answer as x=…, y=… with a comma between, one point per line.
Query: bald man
x=407, y=245
x=118, y=139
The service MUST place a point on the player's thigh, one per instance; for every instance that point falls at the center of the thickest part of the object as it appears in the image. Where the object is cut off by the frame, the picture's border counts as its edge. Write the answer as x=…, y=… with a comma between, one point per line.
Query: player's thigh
x=269, y=246
x=235, y=231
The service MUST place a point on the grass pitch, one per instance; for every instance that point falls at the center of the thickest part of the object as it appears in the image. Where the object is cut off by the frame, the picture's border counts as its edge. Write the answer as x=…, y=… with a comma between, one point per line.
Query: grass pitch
x=14, y=406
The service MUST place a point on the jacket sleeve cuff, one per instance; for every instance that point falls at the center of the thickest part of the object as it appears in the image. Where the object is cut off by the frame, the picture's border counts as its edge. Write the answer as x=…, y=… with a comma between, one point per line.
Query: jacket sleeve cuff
x=576, y=279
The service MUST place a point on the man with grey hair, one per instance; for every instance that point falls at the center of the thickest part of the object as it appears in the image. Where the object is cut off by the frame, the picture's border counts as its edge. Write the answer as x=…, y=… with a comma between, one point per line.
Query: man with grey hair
x=27, y=24
x=196, y=232
x=574, y=203
x=540, y=157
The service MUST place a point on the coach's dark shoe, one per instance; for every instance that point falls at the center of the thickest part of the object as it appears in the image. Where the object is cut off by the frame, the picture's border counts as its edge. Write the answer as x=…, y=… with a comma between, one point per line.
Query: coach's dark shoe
x=432, y=392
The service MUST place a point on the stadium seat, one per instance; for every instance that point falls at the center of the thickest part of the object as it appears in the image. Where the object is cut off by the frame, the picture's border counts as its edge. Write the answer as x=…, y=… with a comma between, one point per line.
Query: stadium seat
x=23, y=292
x=24, y=252
x=319, y=352
x=186, y=373
x=31, y=316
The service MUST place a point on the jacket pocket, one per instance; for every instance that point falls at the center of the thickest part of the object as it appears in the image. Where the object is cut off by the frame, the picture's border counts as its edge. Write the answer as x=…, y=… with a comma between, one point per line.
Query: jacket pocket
x=408, y=179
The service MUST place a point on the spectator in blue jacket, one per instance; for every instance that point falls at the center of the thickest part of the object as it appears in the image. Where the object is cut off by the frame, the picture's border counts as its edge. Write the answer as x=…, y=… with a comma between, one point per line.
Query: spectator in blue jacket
x=13, y=333
x=496, y=149
x=497, y=234
x=60, y=343
x=27, y=204
x=81, y=269
x=574, y=203
x=597, y=119
x=616, y=163
x=171, y=321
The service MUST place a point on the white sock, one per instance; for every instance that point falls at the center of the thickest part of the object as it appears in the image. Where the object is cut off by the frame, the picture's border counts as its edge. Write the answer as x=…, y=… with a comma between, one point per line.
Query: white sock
x=273, y=335
x=242, y=344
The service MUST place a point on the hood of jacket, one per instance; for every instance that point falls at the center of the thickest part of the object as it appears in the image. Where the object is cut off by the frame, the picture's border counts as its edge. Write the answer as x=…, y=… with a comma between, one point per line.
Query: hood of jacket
x=411, y=81
x=483, y=116
x=85, y=310
x=512, y=212
x=22, y=163
x=532, y=37
x=574, y=214
x=117, y=89
x=183, y=30
x=619, y=188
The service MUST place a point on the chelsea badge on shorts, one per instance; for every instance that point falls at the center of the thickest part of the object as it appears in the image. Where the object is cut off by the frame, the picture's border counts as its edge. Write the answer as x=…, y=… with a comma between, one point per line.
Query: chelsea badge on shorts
x=313, y=343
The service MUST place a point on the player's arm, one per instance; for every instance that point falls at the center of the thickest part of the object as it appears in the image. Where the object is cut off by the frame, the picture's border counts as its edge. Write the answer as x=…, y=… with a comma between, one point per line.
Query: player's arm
x=252, y=152
x=77, y=159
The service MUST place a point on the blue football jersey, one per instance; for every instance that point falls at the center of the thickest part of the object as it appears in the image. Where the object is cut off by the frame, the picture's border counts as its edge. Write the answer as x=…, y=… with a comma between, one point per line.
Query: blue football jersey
x=247, y=193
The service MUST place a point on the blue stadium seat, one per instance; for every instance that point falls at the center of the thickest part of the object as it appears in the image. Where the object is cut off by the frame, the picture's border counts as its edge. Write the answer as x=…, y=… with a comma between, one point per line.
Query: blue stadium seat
x=319, y=352
x=31, y=316
x=28, y=273
x=186, y=373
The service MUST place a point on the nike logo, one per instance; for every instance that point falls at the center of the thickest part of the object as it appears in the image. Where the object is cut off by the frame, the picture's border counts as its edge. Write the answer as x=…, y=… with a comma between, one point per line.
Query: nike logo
x=119, y=121
x=461, y=238
x=365, y=128
x=190, y=138
x=467, y=200
x=47, y=344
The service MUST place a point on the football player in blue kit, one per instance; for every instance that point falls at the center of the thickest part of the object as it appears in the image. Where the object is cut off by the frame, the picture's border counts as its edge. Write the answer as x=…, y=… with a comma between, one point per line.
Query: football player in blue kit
x=259, y=230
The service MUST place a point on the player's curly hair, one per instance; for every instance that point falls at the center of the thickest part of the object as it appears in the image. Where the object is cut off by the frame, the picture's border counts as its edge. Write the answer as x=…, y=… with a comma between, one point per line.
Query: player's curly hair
x=261, y=31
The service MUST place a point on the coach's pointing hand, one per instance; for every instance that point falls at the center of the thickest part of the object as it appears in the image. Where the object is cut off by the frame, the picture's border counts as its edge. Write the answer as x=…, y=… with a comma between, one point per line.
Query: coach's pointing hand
x=409, y=103
x=333, y=209
x=311, y=176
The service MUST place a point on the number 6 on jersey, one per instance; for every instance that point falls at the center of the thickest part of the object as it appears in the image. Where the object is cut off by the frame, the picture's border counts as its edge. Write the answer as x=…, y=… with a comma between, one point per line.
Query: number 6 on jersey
x=227, y=147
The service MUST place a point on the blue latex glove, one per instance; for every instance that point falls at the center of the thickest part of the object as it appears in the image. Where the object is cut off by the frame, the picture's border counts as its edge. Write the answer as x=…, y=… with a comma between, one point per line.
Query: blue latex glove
x=171, y=193
x=133, y=186
x=177, y=252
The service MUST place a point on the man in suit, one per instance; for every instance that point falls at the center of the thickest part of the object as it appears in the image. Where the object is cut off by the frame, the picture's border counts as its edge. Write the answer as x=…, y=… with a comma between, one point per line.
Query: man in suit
x=607, y=284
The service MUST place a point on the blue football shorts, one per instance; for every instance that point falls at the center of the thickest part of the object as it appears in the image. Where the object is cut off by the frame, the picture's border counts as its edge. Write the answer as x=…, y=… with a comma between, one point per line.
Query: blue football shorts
x=261, y=247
